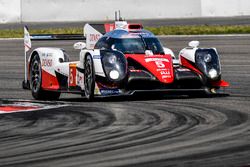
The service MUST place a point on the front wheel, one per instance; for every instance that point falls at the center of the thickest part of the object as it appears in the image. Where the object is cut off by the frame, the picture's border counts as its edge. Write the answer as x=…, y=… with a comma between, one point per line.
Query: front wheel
x=89, y=78
x=36, y=82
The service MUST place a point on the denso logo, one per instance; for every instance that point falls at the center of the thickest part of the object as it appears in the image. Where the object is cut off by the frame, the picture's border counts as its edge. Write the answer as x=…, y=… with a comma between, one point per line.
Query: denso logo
x=94, y=37
x=47, y=62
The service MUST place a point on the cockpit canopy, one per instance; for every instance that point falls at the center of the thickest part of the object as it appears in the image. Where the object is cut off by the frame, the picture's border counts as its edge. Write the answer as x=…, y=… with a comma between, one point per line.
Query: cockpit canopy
x=133, y=42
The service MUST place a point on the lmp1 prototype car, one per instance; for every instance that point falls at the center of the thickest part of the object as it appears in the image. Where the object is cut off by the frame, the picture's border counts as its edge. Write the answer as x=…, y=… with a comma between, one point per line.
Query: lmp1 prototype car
x=121, y=61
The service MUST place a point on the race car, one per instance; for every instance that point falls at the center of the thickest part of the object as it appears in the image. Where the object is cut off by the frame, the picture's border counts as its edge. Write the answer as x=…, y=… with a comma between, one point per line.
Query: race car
x=121, y=59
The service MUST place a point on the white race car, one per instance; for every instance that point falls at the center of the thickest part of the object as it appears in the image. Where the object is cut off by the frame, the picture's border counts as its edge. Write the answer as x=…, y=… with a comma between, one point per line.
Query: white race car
x=122, y=60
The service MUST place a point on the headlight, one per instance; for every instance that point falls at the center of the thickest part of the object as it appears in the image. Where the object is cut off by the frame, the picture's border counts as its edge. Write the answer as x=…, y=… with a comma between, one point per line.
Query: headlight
x=207, y=61
x=213, y=74
x=207, y=58
x=114, y=74
x=114, y=64
x=112, y=59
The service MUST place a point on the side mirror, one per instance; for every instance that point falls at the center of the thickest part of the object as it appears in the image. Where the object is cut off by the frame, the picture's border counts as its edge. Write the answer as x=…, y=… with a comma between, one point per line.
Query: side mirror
x=79, y=45
x=149, y=52
x=169, y=51
x=194, y=44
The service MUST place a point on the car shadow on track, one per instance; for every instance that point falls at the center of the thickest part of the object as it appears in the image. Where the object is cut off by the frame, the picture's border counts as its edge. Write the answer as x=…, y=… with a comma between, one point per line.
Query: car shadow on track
x=142, y=97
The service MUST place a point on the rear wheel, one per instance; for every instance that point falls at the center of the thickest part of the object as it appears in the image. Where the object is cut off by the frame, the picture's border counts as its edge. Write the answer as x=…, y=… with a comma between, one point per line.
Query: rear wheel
x=89, y=78
x=36, y=82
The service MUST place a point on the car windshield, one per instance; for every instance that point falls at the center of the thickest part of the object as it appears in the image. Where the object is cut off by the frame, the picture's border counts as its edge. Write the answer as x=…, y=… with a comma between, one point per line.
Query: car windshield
x=129, y=45
x=133, y=45
x=137, y=45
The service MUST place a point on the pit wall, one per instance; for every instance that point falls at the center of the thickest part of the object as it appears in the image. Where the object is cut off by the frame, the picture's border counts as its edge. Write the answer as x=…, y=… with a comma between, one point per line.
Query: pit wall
x=17, y=11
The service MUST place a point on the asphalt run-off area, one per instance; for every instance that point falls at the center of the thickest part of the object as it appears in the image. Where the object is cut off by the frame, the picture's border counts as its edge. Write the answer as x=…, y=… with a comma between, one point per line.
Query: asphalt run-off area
x=127, y=131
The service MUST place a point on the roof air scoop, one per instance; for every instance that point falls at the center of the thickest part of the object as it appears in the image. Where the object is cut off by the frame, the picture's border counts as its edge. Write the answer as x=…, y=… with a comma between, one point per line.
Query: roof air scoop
x=120, y=23
x=135, y=27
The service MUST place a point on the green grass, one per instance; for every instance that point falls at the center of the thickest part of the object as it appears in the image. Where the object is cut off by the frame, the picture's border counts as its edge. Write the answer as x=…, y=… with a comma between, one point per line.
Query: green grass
x=200, y=30
x=164, y=30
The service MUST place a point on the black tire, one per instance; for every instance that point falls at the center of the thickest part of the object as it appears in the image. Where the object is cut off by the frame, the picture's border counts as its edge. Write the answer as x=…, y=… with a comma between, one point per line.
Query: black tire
x=36, y=82
x=89, y=78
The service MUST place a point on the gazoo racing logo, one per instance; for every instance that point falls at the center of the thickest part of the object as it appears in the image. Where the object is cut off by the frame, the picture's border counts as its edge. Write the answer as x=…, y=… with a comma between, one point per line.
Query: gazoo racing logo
x=158, y=61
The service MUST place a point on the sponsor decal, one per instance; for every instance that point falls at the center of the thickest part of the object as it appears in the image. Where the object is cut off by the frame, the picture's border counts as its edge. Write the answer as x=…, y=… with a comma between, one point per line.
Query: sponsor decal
x=96, y=57
x=47, y=54
x=41, y=37
x=167, y=72
x=159, y=62
x=166, y=76
x=109, y=91
x=183, y=69
x=94, y=37
x=156, y=59
x=72, y=75
x=47, y=62
x=161, y=69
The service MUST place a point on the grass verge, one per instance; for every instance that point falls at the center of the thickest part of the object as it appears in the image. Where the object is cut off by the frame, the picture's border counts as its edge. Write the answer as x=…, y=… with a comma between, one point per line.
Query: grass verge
x=200, y=30
x=164, y=30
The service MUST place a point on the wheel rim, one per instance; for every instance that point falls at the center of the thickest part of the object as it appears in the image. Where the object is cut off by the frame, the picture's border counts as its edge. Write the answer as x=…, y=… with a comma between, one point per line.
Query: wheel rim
x=35, y=76
x=88, y=76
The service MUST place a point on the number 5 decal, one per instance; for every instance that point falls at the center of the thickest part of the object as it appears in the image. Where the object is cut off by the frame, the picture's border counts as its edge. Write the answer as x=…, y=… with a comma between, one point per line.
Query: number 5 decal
x=159, y=64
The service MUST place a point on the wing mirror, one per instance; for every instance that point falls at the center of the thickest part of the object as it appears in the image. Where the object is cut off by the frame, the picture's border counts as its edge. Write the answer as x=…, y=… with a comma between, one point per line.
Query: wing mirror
x=194, y=44
x=169, y=51
x=149, y=52
x=79, y=45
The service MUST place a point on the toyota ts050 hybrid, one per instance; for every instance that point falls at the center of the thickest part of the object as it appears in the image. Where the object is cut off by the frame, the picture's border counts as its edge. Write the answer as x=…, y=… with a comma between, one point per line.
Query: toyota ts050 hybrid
x=122, y=60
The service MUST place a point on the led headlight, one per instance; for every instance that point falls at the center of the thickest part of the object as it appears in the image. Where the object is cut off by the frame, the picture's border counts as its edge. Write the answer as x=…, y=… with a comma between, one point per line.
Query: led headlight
x=112, y=59
x=114, y=64
x=207, y=61
x=213, y=73
x=207, y=58
x=114, y=74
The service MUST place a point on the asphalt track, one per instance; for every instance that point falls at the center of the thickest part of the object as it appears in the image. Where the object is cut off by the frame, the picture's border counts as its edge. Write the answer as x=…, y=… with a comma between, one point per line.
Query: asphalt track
x=141, y=131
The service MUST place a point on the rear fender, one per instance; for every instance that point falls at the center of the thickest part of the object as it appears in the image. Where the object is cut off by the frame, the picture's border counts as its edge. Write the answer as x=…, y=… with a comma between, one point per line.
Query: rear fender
x=49, y=58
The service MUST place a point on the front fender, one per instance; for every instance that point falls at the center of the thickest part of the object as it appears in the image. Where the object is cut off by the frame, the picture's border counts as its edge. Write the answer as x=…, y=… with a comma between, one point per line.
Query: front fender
x=95, y=54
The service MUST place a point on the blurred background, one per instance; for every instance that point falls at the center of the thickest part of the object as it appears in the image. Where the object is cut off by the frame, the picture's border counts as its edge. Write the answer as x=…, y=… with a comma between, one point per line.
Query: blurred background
x=19, y=11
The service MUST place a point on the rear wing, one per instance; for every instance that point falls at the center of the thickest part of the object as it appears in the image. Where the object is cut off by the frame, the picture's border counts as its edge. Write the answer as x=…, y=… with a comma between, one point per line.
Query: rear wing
x=38, y=37
x=93, y=32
